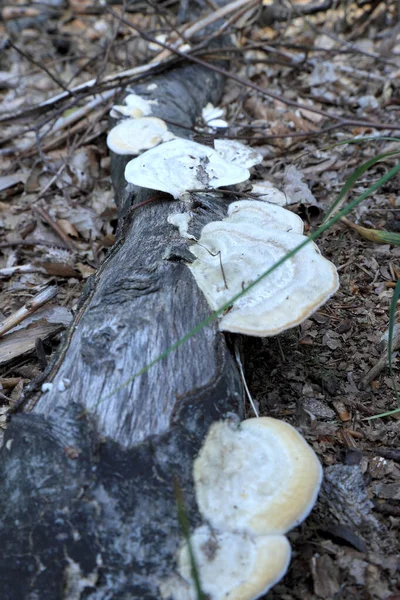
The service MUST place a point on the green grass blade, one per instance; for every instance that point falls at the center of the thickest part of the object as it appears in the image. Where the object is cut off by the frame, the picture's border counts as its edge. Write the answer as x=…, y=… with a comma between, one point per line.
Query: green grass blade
x=184, y=523
x=385, y=414
x=353, y=178
x=368, y=138
x=326, y=225
x=392, y=321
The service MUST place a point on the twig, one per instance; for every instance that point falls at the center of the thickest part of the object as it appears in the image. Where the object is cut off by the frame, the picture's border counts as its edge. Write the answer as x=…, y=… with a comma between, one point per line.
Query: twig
x=382, y=362
x=40, y=66
x=239, y=362
x=29, y=242
x=344, y=121
x=29, y=307
x=45, y=215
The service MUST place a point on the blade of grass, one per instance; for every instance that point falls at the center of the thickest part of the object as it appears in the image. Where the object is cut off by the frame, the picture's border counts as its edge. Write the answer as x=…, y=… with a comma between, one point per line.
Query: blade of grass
x=392, y=321
x=368, y=138
x=184, y=523
x=326, y=225
x=353, y=178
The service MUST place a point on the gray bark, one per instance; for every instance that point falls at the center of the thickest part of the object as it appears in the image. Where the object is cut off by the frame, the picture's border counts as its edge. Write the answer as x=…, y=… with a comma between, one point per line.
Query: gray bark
x=87, y=504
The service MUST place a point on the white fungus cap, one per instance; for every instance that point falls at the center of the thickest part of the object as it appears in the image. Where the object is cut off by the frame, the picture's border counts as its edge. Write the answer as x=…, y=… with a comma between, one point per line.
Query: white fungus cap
x=135, y=107
x=264, y=215
x=267, y=192
x=132, y=136
x=212, y=116
x=182, y=165
x=232, y=566
x=260, y=477
x=229, y=258
x=237, y=153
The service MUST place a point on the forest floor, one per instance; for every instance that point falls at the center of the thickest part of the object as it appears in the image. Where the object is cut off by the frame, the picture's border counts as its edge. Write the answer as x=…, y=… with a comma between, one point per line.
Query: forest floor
x=340, y=70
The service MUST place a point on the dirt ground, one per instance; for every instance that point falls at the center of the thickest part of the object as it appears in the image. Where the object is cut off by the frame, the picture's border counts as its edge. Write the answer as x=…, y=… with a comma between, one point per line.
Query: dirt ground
x=326, y=377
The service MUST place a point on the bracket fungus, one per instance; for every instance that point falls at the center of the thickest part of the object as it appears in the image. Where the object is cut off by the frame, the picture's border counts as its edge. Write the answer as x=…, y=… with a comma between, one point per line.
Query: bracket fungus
x=268, y=193
x=265, y=215
x=212, y=116
x=132, y=136
x=260, y=477
x=233, y=253
x=232, y=566
x=135, y=106
x=181, y=165
x=254, y=482
x=238, y=153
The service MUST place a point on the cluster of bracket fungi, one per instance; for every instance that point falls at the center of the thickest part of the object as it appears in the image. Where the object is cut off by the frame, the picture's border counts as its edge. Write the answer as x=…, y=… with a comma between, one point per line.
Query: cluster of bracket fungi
x=258, y=479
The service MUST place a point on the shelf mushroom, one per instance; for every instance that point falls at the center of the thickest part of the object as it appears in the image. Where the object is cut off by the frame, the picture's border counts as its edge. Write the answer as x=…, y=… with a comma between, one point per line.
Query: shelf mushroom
x=264, y=190
x=254, y=482
x=265, y=215
x=238, y=153
x=133, y=136
x=181, y=165
x=135, y=106
x=260, y=477
x=232, y=254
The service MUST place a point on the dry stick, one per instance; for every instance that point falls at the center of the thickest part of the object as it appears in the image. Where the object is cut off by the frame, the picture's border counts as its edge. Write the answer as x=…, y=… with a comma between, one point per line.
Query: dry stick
x=29, y=307
x=295, y=9
x=381, y=364
x=66, y=134
x=240, y=365
x=159, y=10
x=41, y=66
x=109, y=45
x=135, y=71
x=230, y=21
x=345, y=121
x=29, y=242
x=45, y=215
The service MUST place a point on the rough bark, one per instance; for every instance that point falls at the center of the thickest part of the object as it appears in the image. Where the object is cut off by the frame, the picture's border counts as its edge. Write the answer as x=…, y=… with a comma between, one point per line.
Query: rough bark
x=87, y=504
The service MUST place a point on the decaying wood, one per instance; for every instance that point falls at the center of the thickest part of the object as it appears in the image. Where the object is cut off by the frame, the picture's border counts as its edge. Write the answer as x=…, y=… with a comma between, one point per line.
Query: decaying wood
x=87, y=504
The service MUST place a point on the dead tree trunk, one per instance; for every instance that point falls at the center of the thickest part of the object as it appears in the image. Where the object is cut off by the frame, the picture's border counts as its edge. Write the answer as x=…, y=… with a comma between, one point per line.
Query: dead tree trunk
x=87, y=504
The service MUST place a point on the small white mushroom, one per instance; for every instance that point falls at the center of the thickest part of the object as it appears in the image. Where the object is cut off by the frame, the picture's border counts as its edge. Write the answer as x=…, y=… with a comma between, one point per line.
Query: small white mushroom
x=267, y=192
x=133, y=136
x=264, y=215
x=231, y=256
x=181, y=165
x=135, y=107
x=260, y=477
x=238, y=153
x=233, y=566
x=211, y=115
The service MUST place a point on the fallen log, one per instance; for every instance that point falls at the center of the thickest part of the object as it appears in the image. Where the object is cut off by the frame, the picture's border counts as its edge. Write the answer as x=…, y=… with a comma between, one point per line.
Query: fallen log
x=89, y=471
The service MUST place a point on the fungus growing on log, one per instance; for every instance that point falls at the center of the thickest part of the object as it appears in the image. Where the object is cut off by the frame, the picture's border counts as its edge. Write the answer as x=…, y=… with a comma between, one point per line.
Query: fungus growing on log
x=233, y=253
x=135, y=107
x=259, y=477
x=254, y=481
x=181, y=165
x=233, y=566
x=238, y=153
x=133, y=136
x=212, y=116
x=267, y=192
x=265, y=215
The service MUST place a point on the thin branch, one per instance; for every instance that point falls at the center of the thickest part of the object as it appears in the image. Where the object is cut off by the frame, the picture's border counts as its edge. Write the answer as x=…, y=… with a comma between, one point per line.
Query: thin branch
x=246, y=83
x=40, y=66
